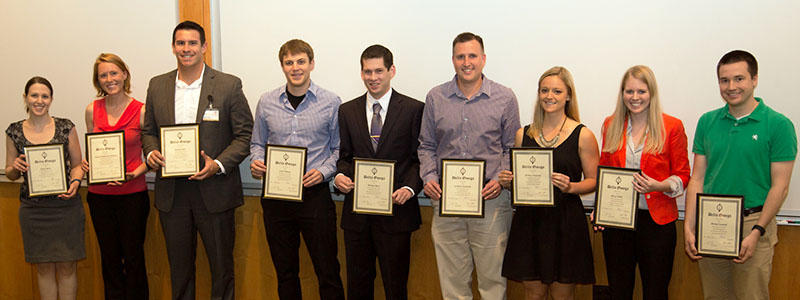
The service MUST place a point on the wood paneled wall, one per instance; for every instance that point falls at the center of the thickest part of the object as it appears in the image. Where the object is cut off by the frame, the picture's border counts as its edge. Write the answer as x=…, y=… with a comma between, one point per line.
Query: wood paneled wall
x=255, y=275
x=198, y=11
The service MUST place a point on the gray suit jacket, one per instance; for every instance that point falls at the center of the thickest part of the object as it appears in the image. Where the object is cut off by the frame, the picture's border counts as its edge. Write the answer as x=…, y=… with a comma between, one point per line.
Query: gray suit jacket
x=227, y=140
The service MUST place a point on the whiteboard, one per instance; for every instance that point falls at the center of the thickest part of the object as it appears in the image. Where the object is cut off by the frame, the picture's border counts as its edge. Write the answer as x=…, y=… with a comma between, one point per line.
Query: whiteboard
x=597, y=41
x=60, y=40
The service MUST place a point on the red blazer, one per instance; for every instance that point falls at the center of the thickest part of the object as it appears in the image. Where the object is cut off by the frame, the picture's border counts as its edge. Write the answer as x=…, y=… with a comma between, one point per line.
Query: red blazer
x=673, y=160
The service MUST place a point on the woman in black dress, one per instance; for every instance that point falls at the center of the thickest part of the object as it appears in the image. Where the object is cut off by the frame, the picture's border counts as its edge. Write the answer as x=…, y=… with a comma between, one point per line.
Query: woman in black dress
x=548, y=247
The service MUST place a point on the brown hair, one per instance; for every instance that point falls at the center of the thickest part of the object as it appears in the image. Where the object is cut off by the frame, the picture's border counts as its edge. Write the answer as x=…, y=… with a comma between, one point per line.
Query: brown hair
x=295, y=46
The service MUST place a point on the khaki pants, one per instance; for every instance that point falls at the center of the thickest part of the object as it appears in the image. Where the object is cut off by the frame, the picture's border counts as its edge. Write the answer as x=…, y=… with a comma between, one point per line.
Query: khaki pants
x=724, y=279
x=460, y=242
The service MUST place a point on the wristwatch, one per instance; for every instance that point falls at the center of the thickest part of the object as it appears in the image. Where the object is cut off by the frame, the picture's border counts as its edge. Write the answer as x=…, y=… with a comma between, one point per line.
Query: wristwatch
x=759, y=228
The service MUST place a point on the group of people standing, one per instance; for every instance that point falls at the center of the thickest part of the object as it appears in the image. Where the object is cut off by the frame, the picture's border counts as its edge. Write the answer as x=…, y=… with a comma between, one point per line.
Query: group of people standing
x=468, y=117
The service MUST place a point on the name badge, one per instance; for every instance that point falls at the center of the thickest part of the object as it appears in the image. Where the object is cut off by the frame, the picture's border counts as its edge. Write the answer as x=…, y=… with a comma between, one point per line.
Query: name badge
x=211, y=115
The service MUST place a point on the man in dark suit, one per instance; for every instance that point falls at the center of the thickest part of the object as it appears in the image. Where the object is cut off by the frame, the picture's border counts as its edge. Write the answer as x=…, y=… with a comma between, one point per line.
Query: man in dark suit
x=364, y=134
x=204, y=202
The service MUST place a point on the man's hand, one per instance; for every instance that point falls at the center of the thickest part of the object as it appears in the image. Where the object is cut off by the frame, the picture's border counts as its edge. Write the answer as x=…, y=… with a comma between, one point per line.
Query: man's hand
x=156, y=160
x=210, y=169
x=689, y=239
x=258, y=169
x=312, y=178
x=401, y=195
x=491, y=190
x=748, y=247
x=505, y=177
x=343, y=183
x=433, y=190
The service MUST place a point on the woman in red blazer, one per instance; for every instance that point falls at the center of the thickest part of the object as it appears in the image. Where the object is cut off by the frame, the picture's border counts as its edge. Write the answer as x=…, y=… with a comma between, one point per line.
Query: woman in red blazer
x=638, y=135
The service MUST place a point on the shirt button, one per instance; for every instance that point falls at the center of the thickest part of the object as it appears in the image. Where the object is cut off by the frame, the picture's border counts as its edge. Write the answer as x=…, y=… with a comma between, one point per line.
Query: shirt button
x=735, y=124
x=466, y=119
x=293, y=132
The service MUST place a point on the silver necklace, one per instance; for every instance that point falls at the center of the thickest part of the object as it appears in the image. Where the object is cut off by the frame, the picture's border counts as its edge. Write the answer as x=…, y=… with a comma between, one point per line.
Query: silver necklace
x=551, y=143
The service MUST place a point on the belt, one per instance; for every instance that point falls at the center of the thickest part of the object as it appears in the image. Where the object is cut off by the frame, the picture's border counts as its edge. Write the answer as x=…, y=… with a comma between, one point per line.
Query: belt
x=752, y=210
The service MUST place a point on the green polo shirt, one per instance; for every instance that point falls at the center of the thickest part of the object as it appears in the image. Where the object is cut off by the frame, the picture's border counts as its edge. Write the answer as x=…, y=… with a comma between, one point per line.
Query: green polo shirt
x=739, y=152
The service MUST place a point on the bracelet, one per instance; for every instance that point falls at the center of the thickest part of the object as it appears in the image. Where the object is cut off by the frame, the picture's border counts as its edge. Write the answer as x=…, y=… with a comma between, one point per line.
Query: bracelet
x=760, y=229
x=78, y=180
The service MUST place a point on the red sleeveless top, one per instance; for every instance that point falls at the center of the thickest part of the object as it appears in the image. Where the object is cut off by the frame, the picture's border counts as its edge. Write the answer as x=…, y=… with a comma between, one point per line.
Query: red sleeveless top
x=129, y=122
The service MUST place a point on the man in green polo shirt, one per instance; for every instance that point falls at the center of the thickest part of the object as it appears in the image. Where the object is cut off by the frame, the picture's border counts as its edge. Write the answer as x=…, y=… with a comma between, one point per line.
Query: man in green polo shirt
x=744, y=148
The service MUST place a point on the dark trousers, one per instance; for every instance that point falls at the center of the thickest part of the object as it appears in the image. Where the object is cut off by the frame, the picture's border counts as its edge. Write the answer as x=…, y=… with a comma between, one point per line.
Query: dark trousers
x=181, y=224
x=393, y=251
x=120, y=223
x=652, y=246
x=315, y=218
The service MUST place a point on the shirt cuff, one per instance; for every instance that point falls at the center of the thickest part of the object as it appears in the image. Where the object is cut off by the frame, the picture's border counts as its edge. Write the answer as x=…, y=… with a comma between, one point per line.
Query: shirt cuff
x=675, y=187
x=147, y=158
x=221, y=168
x=410, y=190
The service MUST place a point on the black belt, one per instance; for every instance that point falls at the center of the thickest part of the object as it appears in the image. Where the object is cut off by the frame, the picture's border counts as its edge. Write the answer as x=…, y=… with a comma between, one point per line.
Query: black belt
x=752, y=210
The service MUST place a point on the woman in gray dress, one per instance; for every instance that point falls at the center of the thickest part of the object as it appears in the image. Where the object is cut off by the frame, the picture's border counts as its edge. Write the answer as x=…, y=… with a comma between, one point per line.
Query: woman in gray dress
x=52, y=226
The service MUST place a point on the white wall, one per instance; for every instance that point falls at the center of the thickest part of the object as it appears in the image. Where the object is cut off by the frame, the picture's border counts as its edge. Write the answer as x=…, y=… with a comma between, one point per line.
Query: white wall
x=680, y=40
x=60, y=40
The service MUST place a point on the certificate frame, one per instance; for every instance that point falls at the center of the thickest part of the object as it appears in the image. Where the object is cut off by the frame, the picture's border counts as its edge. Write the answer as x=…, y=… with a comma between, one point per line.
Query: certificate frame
x=272, y=156
x=36, y=155
x=373, y=168
x=526, y=159
x=733, y=205
x=622, y=181
x=460, y=166
x=101, y=138
x=194, y=132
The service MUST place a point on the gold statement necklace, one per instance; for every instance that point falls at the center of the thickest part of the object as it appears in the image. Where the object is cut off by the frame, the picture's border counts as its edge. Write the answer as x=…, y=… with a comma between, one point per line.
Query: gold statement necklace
x=550, y=143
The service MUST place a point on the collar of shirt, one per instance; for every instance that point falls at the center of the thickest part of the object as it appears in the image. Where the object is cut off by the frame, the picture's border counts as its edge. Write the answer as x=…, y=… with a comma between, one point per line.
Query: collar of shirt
x=311, y=95
x=756, y=115
x=384, y=101
x=453, y=90
x=195, y=85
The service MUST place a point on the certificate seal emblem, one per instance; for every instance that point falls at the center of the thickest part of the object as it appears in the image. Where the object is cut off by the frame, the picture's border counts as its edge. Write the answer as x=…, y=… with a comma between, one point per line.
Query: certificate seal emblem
x=44, y=155
x=618, y=180
x=105, y=142
x=533, y=160
x=719, y=207
x=374, y=171
x=180, y=135
x=285, y=157
x=463, y=171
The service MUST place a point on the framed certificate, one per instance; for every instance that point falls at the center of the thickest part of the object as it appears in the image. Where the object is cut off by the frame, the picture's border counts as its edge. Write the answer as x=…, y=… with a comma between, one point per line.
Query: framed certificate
x=285, y=168
x=616, y=202
x=374, y=185
x=105, y=152
x=719, y=225
x=180, y=145
x=533, y=171
x=47, y=174
x=462, y=182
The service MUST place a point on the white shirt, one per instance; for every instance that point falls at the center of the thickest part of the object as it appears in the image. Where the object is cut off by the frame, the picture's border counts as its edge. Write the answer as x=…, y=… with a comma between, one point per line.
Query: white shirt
x=384, y=101
x=187, y=97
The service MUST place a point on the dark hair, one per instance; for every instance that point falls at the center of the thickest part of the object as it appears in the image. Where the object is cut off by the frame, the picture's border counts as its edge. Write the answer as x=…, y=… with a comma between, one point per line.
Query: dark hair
x=189, y=25
x=736, y=56
x=295, y=46
x=378, y=51
x=466, y=37
x=114, y=59
x=40, y=80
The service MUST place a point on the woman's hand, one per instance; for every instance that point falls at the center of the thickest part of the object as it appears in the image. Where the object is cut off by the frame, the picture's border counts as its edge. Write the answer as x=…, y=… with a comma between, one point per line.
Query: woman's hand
x=562, y=182
x=505, y=178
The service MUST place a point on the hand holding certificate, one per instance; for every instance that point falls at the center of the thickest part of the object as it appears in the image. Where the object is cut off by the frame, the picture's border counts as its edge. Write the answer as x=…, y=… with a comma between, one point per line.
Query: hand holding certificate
x=180, y=146
x=532, y=169
x=719, y=225
x=616, y=201
x=46, y=171
x=462, y=182
x=284, y=177
x=374, y=183
x=105, y=152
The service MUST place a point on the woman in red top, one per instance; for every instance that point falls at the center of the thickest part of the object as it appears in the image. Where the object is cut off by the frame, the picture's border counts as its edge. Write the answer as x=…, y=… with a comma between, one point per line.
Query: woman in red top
x=119, y=210
x=638, y=135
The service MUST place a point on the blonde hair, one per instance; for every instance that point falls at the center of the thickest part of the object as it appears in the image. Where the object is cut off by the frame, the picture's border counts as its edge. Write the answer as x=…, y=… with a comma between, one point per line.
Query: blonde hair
x=114, y=59
x=570, y=109
x=613, y=135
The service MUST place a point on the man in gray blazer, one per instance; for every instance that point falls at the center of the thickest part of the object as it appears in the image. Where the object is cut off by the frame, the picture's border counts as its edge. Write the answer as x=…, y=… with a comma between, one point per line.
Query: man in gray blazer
x=204, y=202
